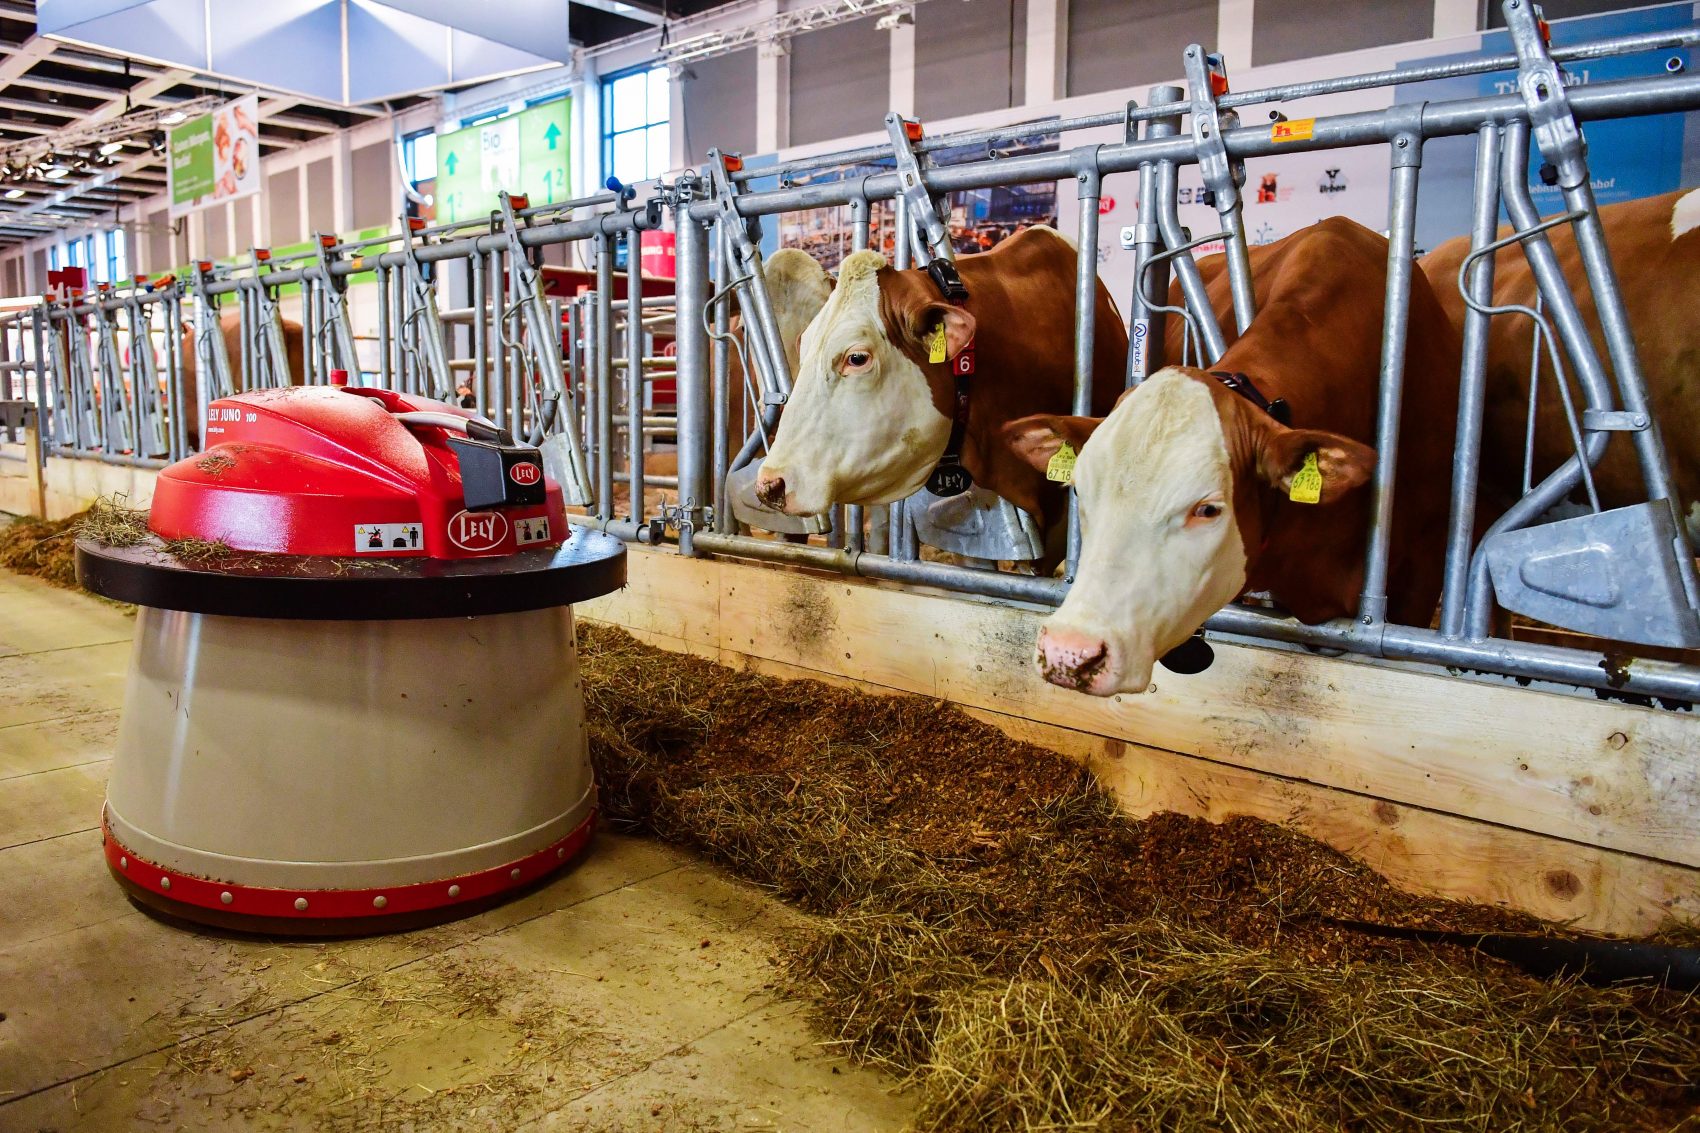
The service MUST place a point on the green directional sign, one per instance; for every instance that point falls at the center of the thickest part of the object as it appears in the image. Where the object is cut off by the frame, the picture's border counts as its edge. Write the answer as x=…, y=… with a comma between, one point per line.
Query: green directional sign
x=528, y=153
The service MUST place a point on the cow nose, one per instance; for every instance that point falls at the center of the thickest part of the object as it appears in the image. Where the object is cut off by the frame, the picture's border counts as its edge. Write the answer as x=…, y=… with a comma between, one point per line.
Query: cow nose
x=770, y=490
x=1071, y=659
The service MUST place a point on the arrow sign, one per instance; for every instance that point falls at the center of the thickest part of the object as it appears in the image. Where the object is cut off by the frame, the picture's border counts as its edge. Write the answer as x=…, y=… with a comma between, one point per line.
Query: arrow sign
x=549, y=135
x=450, y=162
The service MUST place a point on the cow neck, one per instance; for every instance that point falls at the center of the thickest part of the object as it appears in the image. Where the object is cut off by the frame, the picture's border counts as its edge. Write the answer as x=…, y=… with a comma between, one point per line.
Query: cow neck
x=1279, y=409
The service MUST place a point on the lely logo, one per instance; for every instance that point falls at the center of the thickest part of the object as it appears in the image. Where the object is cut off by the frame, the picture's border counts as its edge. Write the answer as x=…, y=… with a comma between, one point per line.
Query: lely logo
x=525, y=474
x=477, y=530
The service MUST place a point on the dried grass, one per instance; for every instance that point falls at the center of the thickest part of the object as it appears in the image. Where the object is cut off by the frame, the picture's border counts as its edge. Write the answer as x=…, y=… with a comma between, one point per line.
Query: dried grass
x=41, y=548
x=1032, y=960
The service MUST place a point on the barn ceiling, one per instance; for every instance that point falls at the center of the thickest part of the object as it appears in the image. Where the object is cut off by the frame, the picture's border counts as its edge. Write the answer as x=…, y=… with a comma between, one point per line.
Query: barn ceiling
x=46, y=86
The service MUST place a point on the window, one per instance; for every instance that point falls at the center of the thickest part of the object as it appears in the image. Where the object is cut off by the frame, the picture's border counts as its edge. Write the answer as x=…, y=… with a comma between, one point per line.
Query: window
x=117, y=256
x=635, y=135
x=420, y=153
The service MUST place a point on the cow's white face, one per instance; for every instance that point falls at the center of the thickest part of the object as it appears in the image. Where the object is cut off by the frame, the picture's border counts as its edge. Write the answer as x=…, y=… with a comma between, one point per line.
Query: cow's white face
x=860, y=426
x=1171, y=490
x=1161, y=550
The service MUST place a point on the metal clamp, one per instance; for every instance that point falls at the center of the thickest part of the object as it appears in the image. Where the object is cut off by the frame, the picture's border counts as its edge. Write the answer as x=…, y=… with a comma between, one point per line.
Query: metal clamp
x=923, y=210
x=1613, y=421
x=1540, y=81
x=1206, y=80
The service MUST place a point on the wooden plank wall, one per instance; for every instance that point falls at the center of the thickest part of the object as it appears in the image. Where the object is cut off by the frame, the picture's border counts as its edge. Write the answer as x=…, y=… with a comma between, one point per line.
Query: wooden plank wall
x=1575, y=809
x=67, y=486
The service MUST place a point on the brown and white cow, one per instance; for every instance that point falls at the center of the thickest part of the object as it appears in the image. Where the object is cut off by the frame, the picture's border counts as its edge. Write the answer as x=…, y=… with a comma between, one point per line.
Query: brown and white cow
x=231, y=327
x=1185, y=487
x=1655, y=246
x=870, y=415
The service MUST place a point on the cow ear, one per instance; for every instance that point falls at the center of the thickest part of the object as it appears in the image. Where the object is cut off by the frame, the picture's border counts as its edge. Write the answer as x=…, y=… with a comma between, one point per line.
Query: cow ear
x=958, y=328
x=1341, y=463
x=1036, y=439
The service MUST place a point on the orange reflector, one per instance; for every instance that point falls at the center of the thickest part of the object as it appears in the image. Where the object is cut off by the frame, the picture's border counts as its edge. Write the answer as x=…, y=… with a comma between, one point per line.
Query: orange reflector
x=204, y=265
x=165, y=281
x=327, y=241
x=1218, y=84
x=519, y=200
x=734, y=162
x=415, y=224
x=1545, y=30
x=912, y=130
x=262, y=254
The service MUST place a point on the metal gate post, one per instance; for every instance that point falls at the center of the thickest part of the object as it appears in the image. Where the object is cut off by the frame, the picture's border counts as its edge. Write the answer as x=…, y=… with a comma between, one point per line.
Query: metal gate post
x=605, y=371
x=175, y=392
x=1088, y=187
x=1211, y=342
x=1145, y=327
x=690, y=292
x=1472, y=387
x=720, y=400
x=334, y=298
x=1405, y=123
x=634, y=372
x=855, y=516
x=1207, y=78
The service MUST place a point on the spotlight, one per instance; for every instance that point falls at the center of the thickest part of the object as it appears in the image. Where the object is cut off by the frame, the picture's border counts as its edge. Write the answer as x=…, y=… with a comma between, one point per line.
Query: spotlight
x=14, y=194
x=110, y=148
x=156, y=141
x=172, y=118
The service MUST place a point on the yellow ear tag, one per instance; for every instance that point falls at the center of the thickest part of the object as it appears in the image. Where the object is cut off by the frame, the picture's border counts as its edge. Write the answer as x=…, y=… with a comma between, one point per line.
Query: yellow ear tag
x=936, y=346
x=1061, y=465
x=1307, y=482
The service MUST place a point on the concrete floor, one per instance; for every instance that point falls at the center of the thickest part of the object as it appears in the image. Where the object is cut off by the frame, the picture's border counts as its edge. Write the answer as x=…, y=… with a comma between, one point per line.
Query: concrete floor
x=632, y=993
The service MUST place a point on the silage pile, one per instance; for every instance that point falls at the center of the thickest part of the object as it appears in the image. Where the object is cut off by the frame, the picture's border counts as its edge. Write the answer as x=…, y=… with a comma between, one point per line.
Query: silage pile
x=1030, y=959
x=43, y=548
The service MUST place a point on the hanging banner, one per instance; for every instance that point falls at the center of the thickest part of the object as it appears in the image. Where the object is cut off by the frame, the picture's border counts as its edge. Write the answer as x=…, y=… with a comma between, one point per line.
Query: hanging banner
x=528, y=153
x=216, y=157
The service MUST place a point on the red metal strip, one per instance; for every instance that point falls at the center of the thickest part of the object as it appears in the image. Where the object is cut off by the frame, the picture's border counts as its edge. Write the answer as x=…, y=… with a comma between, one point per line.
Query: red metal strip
x=337, y=903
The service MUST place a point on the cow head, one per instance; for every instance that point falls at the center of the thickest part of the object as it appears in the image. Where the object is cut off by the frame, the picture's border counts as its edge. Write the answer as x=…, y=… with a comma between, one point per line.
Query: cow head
x=864, y=423
x=1176, y=489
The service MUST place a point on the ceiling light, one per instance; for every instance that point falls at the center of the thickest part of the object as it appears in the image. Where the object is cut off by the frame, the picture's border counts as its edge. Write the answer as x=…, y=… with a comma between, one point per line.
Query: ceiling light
x=14, y=194
x=110, y=148
x=172, y=118
x=56, y=171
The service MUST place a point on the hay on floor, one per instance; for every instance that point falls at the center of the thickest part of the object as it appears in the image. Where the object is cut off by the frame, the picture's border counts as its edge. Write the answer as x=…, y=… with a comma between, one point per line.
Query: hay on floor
x=1032, y=959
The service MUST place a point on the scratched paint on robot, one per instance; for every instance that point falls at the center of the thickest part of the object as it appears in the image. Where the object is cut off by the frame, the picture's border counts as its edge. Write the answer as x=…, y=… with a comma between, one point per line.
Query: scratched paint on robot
x=371, y=538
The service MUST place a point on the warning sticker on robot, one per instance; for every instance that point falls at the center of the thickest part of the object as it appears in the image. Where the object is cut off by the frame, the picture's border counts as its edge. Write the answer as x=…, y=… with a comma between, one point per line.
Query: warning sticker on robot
x=370, y=538
x=531, y=530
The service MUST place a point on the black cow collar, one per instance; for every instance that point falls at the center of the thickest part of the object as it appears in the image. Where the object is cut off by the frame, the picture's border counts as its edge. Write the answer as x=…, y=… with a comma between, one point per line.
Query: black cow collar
x=950, y=477
x=1246, y=388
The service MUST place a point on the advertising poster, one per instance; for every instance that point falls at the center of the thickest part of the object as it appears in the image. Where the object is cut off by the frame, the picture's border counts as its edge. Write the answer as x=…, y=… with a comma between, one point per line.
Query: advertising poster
x=215, y=158
x=979, y=219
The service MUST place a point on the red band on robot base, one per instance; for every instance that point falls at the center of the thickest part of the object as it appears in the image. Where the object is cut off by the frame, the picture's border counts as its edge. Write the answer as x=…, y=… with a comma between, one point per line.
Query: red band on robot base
x=425, y=896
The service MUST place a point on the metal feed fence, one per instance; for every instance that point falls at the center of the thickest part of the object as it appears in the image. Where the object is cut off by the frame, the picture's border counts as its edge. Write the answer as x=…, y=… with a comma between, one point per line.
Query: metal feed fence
x=579, y=374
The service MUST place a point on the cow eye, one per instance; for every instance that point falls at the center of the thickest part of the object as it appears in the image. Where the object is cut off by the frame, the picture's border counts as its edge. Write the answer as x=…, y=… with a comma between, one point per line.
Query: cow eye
x=1204, y=512
x=857, y=360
